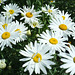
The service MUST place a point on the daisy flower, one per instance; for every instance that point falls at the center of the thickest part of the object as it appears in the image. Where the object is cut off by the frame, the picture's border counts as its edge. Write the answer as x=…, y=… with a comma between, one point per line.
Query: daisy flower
x=2, y=1
x=69, y=60
x=54, y=41
x=61, y=26
x=11, y=10
x=8, y=36
x=37, y=58
x=50, y=10
x=35, y=23
x=22, y=31
x=4, y=21
x=29, y=14
x=63, y=15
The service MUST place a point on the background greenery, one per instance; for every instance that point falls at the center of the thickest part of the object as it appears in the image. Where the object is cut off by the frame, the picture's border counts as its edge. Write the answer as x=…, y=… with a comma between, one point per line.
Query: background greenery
x=12, y=56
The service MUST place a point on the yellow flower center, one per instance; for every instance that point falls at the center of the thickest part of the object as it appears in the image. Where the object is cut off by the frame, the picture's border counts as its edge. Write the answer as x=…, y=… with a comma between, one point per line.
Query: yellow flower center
x=18, y=30
x=5, y=35
x=63, y=17
x=29, y=14
x=74, y=59
x=51, y=1
x=53, y=41
x=49, y=11
x=11, y=11
x=63, y=27
x=4, y=25
x=36, y=57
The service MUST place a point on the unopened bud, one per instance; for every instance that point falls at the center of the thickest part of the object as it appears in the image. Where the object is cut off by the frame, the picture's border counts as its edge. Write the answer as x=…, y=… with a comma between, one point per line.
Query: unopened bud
x=28, y=32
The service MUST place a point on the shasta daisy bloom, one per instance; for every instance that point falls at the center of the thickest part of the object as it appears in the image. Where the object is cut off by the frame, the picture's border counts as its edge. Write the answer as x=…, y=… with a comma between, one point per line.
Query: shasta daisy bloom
x=11, y=10
x=29, y=14
x=63, y=15
x=37, y=58
x=2, y=1
x=35, y=23
x=21, y=29
x=4, y=21
x=8, y=36
x=69, y=60
x=54, y=41
x=50, y=10
x=61, y=26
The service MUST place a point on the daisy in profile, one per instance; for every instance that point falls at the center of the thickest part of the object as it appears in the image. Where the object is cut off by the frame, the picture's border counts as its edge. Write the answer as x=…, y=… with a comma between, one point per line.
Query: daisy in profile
x=11, y=10
x=63, y=15
x=2, y=1
x=8, y=36
x=69, y=60
x=35, y=23
x=54, y=41
x=29, y=14
x=50, y=10
x=21, y=29
x=61, y=26
x=4, y=21
x=37, y=58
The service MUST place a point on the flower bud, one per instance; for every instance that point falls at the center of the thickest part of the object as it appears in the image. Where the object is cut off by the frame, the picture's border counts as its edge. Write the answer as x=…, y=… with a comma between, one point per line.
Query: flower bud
x=2, y=63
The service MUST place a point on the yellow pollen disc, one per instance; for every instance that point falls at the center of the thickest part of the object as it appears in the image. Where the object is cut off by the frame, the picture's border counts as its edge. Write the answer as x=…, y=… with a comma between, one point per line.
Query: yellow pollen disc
x=51, y=1
x=18, y=30
x=49, y=11
x=36, y=57
x=63, y=17
x=53, y=41
x=63, y=27
x=5, y=35
x=74, y=59
x=29, y=14
x=4, y=25
x=11, y=11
